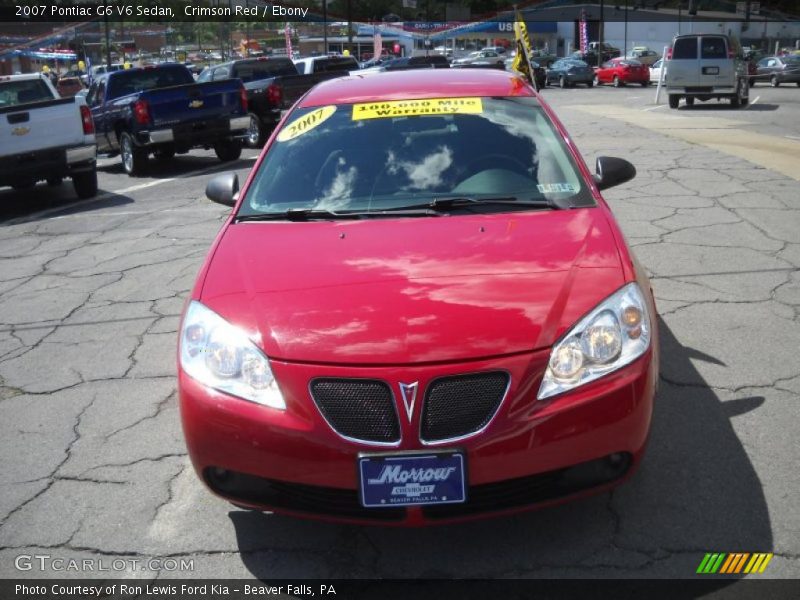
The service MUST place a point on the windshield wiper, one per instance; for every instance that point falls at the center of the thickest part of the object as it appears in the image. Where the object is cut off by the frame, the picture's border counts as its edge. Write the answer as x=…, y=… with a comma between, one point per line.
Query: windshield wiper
x=466, y=201
x=312, y=214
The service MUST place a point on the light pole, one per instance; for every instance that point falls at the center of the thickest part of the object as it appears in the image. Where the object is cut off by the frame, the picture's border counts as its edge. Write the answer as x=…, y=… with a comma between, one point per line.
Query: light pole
x=625, y=43
x=325, y=27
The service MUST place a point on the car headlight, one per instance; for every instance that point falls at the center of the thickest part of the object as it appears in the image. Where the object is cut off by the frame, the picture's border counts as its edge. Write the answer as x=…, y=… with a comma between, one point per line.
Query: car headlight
x=219, y=355
x=614, y=334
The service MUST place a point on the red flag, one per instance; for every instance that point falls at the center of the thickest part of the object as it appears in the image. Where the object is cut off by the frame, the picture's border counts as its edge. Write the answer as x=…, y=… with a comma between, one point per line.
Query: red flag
x=378, y=44
x=287, y=31
x=584, y=33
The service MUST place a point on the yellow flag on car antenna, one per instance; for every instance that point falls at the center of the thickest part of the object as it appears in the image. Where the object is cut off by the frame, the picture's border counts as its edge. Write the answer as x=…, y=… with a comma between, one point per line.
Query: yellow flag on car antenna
x=522, y=61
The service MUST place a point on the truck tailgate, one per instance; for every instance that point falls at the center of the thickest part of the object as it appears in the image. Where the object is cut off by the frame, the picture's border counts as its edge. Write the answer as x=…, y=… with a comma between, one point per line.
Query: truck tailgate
x=194, y=101
x=47, y=124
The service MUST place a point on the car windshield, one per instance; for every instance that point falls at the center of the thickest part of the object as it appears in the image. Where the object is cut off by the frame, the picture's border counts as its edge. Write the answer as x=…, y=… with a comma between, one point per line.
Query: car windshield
x=377, y=157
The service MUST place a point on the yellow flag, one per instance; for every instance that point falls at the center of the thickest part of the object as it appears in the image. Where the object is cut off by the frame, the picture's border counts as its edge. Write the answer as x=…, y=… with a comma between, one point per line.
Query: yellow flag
x=521, y=62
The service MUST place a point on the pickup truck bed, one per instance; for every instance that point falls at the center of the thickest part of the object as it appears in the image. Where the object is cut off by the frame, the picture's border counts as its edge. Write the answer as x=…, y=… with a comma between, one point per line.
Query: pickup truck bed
x=44, y=137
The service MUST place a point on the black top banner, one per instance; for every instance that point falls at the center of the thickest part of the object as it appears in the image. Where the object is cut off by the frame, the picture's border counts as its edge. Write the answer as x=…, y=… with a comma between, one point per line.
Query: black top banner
x=440, y=12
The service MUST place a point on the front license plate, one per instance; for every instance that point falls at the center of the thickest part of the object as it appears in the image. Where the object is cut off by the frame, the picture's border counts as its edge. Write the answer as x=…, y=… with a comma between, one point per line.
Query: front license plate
x=412, y=480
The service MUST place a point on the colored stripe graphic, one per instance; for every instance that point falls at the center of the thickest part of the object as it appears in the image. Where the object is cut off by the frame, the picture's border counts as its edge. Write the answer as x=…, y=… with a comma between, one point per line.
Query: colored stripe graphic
x=703, y=563
x=727, y=564
x=767, y=558
x=734, y=563
x=741, y=562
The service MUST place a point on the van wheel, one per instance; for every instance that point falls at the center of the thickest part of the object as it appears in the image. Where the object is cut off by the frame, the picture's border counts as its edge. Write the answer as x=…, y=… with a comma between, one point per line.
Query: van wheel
x=774, y=82
x=85, y=184
x=740, y=98
x=674, y=99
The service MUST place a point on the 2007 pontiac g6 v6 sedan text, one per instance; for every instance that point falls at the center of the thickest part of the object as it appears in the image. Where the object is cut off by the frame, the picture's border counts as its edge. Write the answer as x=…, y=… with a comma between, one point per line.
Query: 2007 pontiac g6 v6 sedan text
x=421, y=310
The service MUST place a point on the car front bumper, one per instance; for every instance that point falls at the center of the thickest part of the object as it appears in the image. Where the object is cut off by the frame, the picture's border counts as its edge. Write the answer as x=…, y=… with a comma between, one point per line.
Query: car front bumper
x=531, y=454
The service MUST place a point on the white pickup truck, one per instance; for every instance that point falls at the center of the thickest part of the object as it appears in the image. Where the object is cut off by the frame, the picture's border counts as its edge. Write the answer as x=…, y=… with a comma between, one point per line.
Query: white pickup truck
x=44, y=137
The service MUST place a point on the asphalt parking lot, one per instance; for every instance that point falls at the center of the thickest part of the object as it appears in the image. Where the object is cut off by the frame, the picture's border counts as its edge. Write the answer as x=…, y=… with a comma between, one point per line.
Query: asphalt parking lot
x=92, y=461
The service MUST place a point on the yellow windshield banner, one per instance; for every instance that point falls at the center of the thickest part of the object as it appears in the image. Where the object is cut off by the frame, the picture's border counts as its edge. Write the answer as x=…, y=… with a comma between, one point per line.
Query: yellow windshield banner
x=414, y=108
x=305, y=123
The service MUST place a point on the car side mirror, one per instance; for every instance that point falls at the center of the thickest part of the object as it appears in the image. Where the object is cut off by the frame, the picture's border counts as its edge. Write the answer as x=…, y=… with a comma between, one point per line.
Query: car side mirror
x=611, y=171
x=223, y=189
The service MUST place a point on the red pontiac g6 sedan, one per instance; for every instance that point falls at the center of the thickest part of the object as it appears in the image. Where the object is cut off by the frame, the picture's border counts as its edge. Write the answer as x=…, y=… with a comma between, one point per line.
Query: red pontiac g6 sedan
x=420, y=310
x=620, y=71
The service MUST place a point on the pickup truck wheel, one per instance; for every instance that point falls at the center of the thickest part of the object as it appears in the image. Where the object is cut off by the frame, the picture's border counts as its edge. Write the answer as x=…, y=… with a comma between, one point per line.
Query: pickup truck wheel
x=134, y=160
x=255, y=133
x=674, y=99
x=85, y=184
x=227, y=151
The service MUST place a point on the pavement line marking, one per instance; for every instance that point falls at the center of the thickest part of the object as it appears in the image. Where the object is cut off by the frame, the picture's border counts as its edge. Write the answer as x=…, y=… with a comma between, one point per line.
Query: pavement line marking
x=772, y=152
x=792, y=137
x=104, y=196
x=654, y=107
x=753, y=102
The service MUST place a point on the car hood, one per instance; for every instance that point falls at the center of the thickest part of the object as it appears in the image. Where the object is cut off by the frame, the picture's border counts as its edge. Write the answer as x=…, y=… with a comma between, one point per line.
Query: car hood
x=410, y=290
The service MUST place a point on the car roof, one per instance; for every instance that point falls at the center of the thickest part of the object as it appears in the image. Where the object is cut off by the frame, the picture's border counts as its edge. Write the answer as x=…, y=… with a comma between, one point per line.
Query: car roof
x=416, y=84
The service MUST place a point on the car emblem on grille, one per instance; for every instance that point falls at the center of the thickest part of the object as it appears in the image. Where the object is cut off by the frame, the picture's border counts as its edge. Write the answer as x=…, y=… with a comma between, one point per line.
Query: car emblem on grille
x=20, y=131
x=409, y=393
x=195, y=104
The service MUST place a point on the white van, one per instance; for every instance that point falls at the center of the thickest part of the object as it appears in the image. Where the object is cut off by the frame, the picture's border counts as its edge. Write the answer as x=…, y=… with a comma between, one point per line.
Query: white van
x=705, y=66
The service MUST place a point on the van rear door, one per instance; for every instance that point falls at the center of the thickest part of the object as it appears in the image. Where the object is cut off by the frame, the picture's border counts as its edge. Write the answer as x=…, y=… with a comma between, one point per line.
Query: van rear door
x=682, y=70
x=716, y=69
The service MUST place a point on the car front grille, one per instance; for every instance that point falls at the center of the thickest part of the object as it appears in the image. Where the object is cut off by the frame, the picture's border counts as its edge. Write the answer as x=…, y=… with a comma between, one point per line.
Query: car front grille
x=359, y=409
x=460, y=405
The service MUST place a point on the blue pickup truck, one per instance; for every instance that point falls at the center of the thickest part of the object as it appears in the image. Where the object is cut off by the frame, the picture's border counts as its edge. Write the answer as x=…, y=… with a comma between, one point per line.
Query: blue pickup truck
x=162, y=111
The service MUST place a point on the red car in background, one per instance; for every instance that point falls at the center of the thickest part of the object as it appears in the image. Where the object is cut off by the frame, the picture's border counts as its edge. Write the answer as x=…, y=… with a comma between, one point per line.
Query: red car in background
x=398, y=325
x=621, y=71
